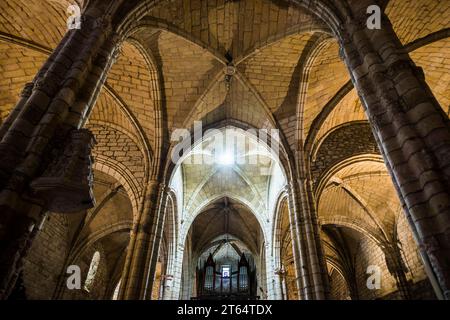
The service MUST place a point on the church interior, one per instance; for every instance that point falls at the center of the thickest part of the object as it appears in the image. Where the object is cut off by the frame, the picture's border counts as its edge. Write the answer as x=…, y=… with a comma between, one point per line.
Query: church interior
x=336, y=185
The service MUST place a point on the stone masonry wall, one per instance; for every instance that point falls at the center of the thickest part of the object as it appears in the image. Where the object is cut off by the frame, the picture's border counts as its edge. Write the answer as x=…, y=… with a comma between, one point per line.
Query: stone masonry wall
x=343, y=143
x=338, y=287
x=44, y=263
x=369, y=253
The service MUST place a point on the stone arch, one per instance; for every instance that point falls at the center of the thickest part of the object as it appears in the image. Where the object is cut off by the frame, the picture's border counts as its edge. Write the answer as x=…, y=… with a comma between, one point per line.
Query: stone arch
x=134, y=123
x=276, y=231
x=347, y=141
x=153, y=23
x=336, y=267
x=79, y=249
x=326, y=175
x=116, y=290
x=310, y=57
x=156, y=96
x=82, y=248
x=366, y=230
x=415, y=49
x=123, y=175
x=187, y=223
x=321, y=9
x=367, y=251
x=358, y=202
x=114, y=143
x=170, y=233
x=405, y=164
x=139, y=96
x=123, y=108
x=284, y=156
x=245, y=233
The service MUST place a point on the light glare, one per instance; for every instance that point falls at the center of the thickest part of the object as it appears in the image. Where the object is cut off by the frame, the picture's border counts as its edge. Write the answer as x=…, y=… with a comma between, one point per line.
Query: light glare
x=225, y=159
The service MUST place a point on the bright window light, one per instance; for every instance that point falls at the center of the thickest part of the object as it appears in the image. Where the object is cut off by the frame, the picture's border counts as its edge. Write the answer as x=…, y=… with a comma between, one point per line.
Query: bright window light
x=225, y=271
x=226, y=158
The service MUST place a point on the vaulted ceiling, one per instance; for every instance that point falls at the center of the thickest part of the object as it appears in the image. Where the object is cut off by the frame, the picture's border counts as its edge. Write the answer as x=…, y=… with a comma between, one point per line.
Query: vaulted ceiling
x=178, y=56
x=266, y=64
x=230, y=163
x=226, y=220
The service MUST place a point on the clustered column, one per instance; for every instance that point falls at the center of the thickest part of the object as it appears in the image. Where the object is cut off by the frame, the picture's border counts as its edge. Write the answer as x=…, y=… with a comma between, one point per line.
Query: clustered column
x=412, y=132
x=143, y=252
x=43, y=151
x=309, y=263
x=301, y=276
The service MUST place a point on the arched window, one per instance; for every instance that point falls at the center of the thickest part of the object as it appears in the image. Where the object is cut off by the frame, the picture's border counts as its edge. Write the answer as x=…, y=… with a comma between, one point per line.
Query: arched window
x=92, y=271
x=116, y=290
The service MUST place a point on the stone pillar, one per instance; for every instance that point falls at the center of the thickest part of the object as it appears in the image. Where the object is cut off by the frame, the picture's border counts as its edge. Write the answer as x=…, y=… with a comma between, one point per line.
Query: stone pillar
x=167, y=285
x=281, y=276
x=316, y=257
x=308, y=256
x=299, y=249
x=43, y=152
x=143, y=252
x=177, y=269
x=276, y=292
x=411, y=129
x=152, y=260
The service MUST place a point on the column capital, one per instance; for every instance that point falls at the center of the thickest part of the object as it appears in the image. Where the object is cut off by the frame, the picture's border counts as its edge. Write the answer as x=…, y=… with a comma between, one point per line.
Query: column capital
x=66, y=184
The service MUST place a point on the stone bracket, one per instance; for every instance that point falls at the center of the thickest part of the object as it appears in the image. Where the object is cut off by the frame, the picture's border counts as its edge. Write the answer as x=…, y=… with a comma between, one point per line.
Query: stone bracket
x=66, y=184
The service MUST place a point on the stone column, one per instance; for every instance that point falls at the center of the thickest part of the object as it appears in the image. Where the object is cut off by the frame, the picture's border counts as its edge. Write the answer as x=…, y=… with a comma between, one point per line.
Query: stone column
x=153, y=257
x=285, y=286
x=44, y=155
x=276, y=292
x=281, y=277
x=318, y=269
x=310, y=263
x=143, y=252
x=177, y=269
x=411, y=129
x=299, y=249
x=167, y=285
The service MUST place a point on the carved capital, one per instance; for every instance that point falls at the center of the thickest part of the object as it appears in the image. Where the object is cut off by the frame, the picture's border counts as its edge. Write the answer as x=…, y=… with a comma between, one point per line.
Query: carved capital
x=66, y=184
